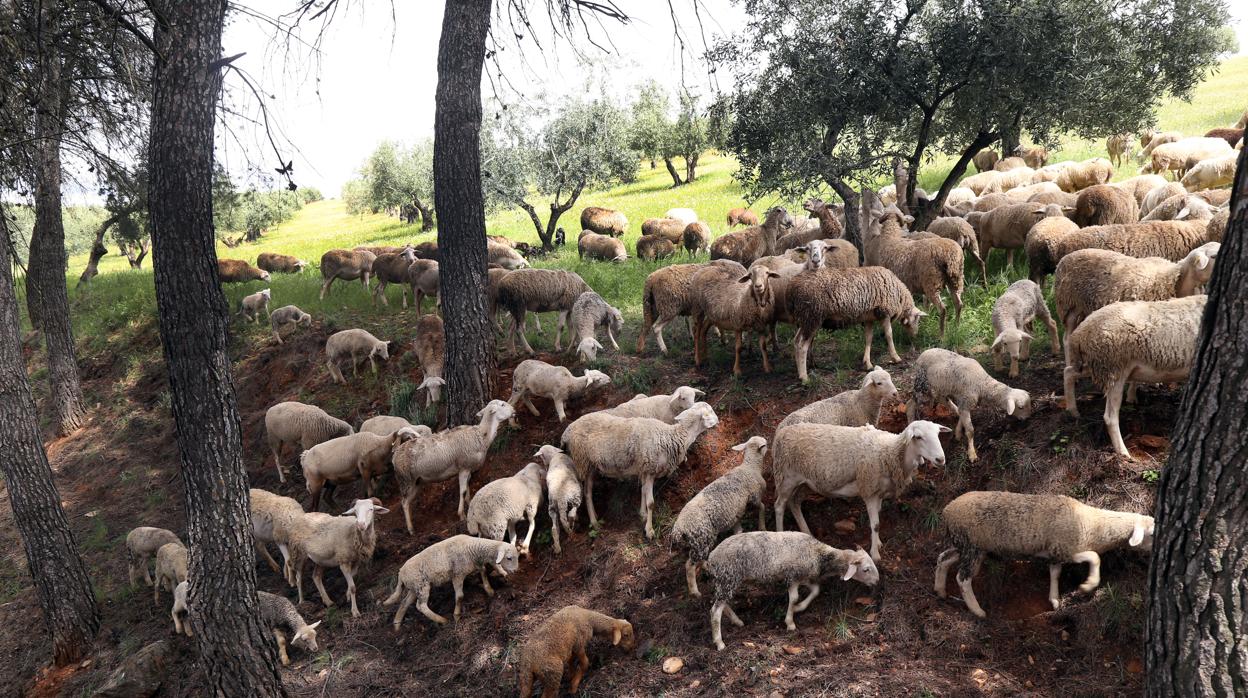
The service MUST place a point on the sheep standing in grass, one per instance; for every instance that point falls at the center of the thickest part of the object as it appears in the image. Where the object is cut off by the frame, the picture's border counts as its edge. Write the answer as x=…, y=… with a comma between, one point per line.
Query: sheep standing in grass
x=604, y=221
x=346, y=542
x=391, y=268
x=697, y=238
x=985, y=160
x=500, y=504
x=1180, y=156
x=424, y=276
x=560, y=642
x=170, y=568
x=941, y=375
x=960, y=231
x=1172, y=240
x=450, y=561
x=668, y=293
x=1032, y=155
x=1013, y=314
x=1088, y=173
x=272, y=520
x=1105, y=204
x=735, y=303
x=509, y=258
x=719, y=507
x=654, y=247
x=234, y=271
x=347, y=265
x=851, y=408
x=563, y=491
x=296, y=423
x=430, y=348
x=539, y=291
x=745, y=246
x=1119, y=147
x=742, y=216
x=346, y=459
x=590, y=312
x=1139, y=186
x=1047, y=526
x=1007, y=226
x=602, y=247
x=924, y=266
x=792, y=559
x=287, y=316
x=670, y=229
x=354, y=343
x=274, y=262
x=250, y=306
x=664, y=408
x=533, y=378
x=1184, y=207
x=1041, y=246
x=141, y=546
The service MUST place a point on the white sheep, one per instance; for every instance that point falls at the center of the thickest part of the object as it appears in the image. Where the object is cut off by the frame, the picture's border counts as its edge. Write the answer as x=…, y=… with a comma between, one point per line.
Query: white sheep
x=1013, y=315
x=430, y=348
x=684, y=215
x=590, y=312
x=181, y=610
x=539, y=379
x=272, y=519
x=384, y=425
x=349, y=458
x=141, y=546
x=287, y=315
x=345, y=542
x=451, y=561
x=850, y=408
x=501, y=503
x=296, y=423
x=563, y=491
x=250, y=306
x=1212, y=172
x=1047, y=526
x=171, y=564
x=661, y=407
x=354, y=343
x=838, y=461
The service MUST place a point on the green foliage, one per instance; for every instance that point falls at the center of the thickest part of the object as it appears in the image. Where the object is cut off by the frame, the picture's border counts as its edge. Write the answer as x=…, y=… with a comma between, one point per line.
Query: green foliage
x=395, y=178
x=650, y=125
x=310, y=194
x=1151, y=476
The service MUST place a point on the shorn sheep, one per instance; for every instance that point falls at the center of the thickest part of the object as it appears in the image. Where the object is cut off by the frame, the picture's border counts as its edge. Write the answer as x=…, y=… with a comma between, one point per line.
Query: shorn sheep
x=563, y=491
x=1048, y=526
x=590, y=312
x=533, y=378
x=745, y=246
x=297, y=423
x=353, y=343
x=450, y=560
x=851, y=408
x=273, y=519
x=1082, y=175
x=1013, y=314
x=500, y=504
x=560, y=642
x=287, y=316
x=604, y=221
x=346, y=459
x=141, y=546
x=170, y=568
x=346, y=542
x=1214, y=172
x=347, y=265
x=234, y=271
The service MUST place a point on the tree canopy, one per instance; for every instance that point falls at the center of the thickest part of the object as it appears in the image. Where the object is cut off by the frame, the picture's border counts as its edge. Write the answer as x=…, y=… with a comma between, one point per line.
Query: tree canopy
x=395, y=178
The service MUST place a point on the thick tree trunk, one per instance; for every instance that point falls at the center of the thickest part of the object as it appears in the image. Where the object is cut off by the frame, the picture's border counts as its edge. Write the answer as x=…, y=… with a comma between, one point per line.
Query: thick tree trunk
x=428, y=222
x=57, y=570
x=671, y=169
x=691, y=167
x=136, y=252
x=1197, y=632
x=853, y=200
x=458, y=199
x=924, y=214
x=236, y=649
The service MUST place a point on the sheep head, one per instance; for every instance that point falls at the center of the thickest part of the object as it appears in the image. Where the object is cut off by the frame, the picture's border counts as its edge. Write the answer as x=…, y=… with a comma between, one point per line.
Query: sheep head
x=879, y=383
x=364, y=511
x=305, y=637
x=755, y=443
x=922, y=440
x=759, y=279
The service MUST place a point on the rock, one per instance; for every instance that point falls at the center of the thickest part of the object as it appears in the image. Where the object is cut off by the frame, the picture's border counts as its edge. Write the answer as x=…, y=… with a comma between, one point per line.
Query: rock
x=1153, y=443
x=671, y=665
x=980, y=677
x=139, y=676
x=791, y=649
x=845, y=526
x=695, y=683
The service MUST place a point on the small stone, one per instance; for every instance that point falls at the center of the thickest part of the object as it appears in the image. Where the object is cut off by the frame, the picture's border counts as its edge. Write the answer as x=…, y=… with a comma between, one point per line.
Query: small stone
x=845, y=527
x=980, y=677
x=791, y=649
x=871, y=617
x=751, y=645
x=1031, y=660
x=671, y=665
x=1065, y=636
x=1153, y=443
x=695, y=683
x=86, y=663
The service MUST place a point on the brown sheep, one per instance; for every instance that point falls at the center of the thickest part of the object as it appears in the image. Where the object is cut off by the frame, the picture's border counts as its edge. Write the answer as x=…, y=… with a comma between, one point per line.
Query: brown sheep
x=604, y=221
x=1119, y=147
x=1010, y=163
x=379, y=249
x=742, y=216
x=1085, y=174
x=745, y=246
x=561, y=642
x=391, y=268
x=1230, y=135
x=985, y=160
x=274, y=262
x=1105, y=204
x=347, y=265
x=925, y=266
x=603, y=247
x=1034, y=156
x=652, y=247
x=667, y=295
x=427, y=250
x=697, y=237
x=671, y=228
x=829, y=227
x=232, y=271
x=1061, y=198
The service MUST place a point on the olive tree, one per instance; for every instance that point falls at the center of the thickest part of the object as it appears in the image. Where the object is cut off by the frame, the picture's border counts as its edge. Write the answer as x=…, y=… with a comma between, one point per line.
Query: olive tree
x=399, y=178
x=650, y=124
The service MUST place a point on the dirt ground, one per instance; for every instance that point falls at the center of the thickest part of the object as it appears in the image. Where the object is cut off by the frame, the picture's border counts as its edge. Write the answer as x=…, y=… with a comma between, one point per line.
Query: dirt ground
x=121, y=471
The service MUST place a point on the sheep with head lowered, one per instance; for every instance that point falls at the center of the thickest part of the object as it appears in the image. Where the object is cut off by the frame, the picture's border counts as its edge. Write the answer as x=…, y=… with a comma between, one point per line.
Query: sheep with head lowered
x=274, y=262
x=563, y=491
x=670, y=229
x=1183, y=207
x=590, y=312
x=696, y=238
x=745, y=246
x=430, y=348
x=1013, y=314
x=1087, y=173
x=539, y=290
x=233, y=271
x=171, y=564
x=1006, y=227
x=353, y=343
x=450, y=560
x=560, y=643
x=272, y=520
x=664, y=408
x=925, y=266
x=600, y=247
x=500, y=504
x=533, y=378
x=985, y=160
x=1034, y=156
x=1139, y=186
x=343, y=460
x=1041, y=246
x=1212, y=172
x=294, y=422
x=141, y=546
x=1105, y=204
x=604, y=221
x=654, y=247
x=742, y=216
x=287, y=316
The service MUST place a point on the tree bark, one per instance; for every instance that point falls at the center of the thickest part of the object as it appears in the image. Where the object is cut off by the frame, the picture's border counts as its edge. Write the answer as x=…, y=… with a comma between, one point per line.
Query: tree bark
x=427, y=220
x=924, y=214
x=459, y=200
x=235, y=648
x=1197, y=631
x=135, y=258
x=56, y=569
x=853, y=200
x=671, y=169
x=691, y=167
x=1011, y=135
x=98, y=250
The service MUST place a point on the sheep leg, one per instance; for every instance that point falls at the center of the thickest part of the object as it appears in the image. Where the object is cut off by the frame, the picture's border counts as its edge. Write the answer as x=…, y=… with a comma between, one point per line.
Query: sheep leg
x=318, y=578
x=1014, y=364
x=1113, y=403
x=423, y=606
x=934, y=299
x=794, y=593
x=519, y=329
x=589, y=498
x=578, y=673
x=1053, y=338
x=762, y=514
x=1069, y=375
x=380, y=291
x=1024, y=350
x=814, y=591
x=647, y=495
x=912, y=410
x=299, y=581
x=408, y=498
x=782, y=497
x=736, y=354
x=532, y=408
x=983, y=269
x=485, y=582
x=346, y=572
x=288, y=568
x=732, y=616
x=1009, y=257
x=156, y=589
x=325, y=287
x=968, y=429
x=560, y=321
x=611, y=336
x=691, y=577
x=335, y=373
x=464, y=476
x=1094, y=570
x=511, y=532
x=264, y=553
x=998, y=358
x=558, y=410
x=408, y=598
x=800, y=349
x=762, y=348
x=554, y=528
x=868, y=332
x=1132, y=390
x=956, y=294
x=281, y=647
x=1055, y=571
x=657, y=330
x=528, y=535
x=795, y=506
x=277, y=457
x=403, y=293
x=873, y=514
x=458, y=584
x=946, y=560
x=717, y=612
x=355, y=364
x=888, y=337
x=966, y=573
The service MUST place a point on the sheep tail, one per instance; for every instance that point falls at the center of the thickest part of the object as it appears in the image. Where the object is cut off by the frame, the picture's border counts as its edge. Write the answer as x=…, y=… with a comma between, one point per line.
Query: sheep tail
x=398, y=591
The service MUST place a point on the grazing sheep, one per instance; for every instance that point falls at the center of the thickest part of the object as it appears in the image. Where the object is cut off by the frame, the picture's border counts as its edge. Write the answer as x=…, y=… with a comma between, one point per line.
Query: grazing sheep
x=458, y=451
x=560, y=642
x=601, y=247
x=620, y=447
x=988, y=202
x=296, y=423
x=1215, y=197
x=347, y=265
x=604, y=221
x=346, y=542
x=430, y=348
x=979, y=183
x=272, y=520
x=384, y=425
x=540, y=291
x=1172, y=240
x=943, y=376
x=960, y=231
x=339, y=461
x=181, y=611
x=1231, y=135
x=924, y=266
x=742, y=216
x=274, y=262
x=1032, y=155
x=1041, y=246
x=1061, y=198
x=1159, y=195
x=718, y=507
x=1180, y=156
x=1011, y=163
x=424, y=276
x=791, y=559
x=1105, y=204
x=392, y=267
x=1009, y=179
x=697, y=237
x=664, y=408
x=426, y=250
x=505, y=257
x=1139, y=187
x=280, y=616
x=287, y=315
x=500, y=504
x=563, y=491
x=1119, y=147
x=668, y=293
x=850, y=408
x=684, y=215
x=533, y=378
x=141, y=546
x=354, y=343
x=250, y=306
x=829, y=227
x=671, y=229
x=654, y=247
x=170, y=568
x=1049, y=526
x=1007, y=226
x=837, y=461
x=450, y=560
x=1082, y=175
x=1013, y=314
x=733, y=302
x=590, y=312
x=745, y=246
x=1214, y=172
x=378, y=250
x=238, y=271
x=1184, y=207
x=985, y=160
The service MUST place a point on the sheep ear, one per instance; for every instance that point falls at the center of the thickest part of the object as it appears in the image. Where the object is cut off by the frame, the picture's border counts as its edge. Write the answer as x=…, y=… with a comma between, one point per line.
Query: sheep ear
x=312, y=626
x=616, y=635
x=740, y=447
x=801, y=249
x=1009, y=406
x=773, y=275
x=1202, y=260
x=502, y=553
x=698, y=393
x=1183, y=213
x=597, y=344
x=907, y=219
x=943, y=429
x=997, y=342
x=1137, y=533
x=850, y=571
x=1027, y=336
x=743, y=279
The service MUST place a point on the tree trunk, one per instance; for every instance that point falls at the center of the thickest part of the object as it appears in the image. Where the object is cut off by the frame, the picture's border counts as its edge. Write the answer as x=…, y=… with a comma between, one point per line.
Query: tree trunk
x=1198, y=590
x=46, y=295
x=457, y=196
x=653, y=164
x=924, y=214
x=691, y=167
x=556, y=211
x=542, y=233
x=1011, y=135
x=671, y=169
x=901, y=182
x=428, y=222
x=56, y=569
x=135, y=258
x=236, y=651
x=98, y=250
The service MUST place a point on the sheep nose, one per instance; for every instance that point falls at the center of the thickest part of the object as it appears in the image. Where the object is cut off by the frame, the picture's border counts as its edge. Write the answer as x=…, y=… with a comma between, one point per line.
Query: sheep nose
x=940, y=460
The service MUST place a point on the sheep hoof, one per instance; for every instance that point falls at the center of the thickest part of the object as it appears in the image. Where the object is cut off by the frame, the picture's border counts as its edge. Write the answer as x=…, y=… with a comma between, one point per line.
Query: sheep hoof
x=719, y=646
x=1056, y=603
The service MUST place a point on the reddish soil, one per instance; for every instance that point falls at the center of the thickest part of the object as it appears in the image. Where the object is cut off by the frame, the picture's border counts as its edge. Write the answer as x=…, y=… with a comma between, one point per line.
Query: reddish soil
x=121, y=471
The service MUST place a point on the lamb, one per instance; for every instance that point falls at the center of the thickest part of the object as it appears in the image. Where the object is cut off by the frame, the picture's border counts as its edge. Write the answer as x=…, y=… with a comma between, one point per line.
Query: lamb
x=672, y=229
x=457, y=451
x=792, y=559
x=1012, y=316
x=619, y=447
x=504, y=256
x=346, y=542
x=960, y=231
x=604, y=221
x=1085, y=174
x=281, y=617
x=451, y=561
x=851, y=408
x=141, y=546
x=1041, y=246
x=1048, y=526
x=1011, y=163
x=745, y=246
x=721, y=301
x=1158, y=195
x=742, y=216
x=985, y=160
x=668, y=293
x=274, y=262
x=561, y=640
x=697, y=237
x=837, y=461
x=601, y=247
x=1184, y=207
x=655, y=247
x=590, y=312
x=1105, y=204
x=1032, y=155
x=250, y=306
x=533, y=378
x=346, y=459
x=685, y=215
x=502, y=503
x=1139, y=186
x=1136, y=342
x=354, y=342
x=1210, y=173
x=1119, y=147
x=1169, y=239
x=296, y=423
x=286, y=316
x=1007, y=226
x=233, y=271
x=1231, y=135
x=664, y=408
x=170, y=568
x=430, y=348
x=272, y=520
x=392, y=267
x=347, y=265
x=719, y=507
x=539, y=291
x=181, y=611
x=1180, y=156
x=384, y=425
x=924, y=266
x=563, y=491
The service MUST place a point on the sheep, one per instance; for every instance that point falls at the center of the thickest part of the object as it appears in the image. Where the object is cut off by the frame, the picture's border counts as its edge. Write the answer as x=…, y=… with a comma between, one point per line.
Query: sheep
x=655, y=247
x=839, y=461
x=829, y=227
x=1158, y=195
x=1032, y=155
x=1139, y=186
x=960, y=231
x=354, y=342
x=1119, y=147
x=563, y=491
x=238, y=271
x=274, y=262
x=1009, y=179
x=668, y=293
x=601, y=247
x=1050, y=173
x=1243, y=120
x=1231, y=135
x=985, y=160
x=988, y=202
x=502, y=503
x=539, y=291
x=1216, y=227
x=850, y=408
x=1215, y=197
x=718, y=507
x=346, y=542
x=1010, y=163
x=296, y=423
x=181, y=611
x=1012, y=316
x=504, y=256
x=1133, y=341
x=430, y=348
x=1105, y=204
x=664, y=408
x=722, y=301
x=834, y=298
x=286, y=316
x=562, y=640
x=742, y=216
x=378, y=250
x=604, y=221
x=170, y=568
x=364, y=455
x=619, y=447
x=1169, y=239
x=456, y=451
x=697, y=237
x=384, y=425
x=958, y=195
x=424, y=276
x=426, y=250
x=392, y=267
x=347, y=265
x=450, y=560
x=533, y=378
x=590, y=312
x=684, y=215
x=941, y=375
x=1210, y=173
x=1025, y=192
x=792, y=559
x=1155, y=140
x=672, y=229
x=1082, y=175
x=280, y=616
x=1041, y=246
x=1180, y=156
x=250, y=306
x=272, y=520
x=924, y=266
x=141, y=546
x=1007, y=226
x=744, y=246
x=1048, y=526
x=1184, y=207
